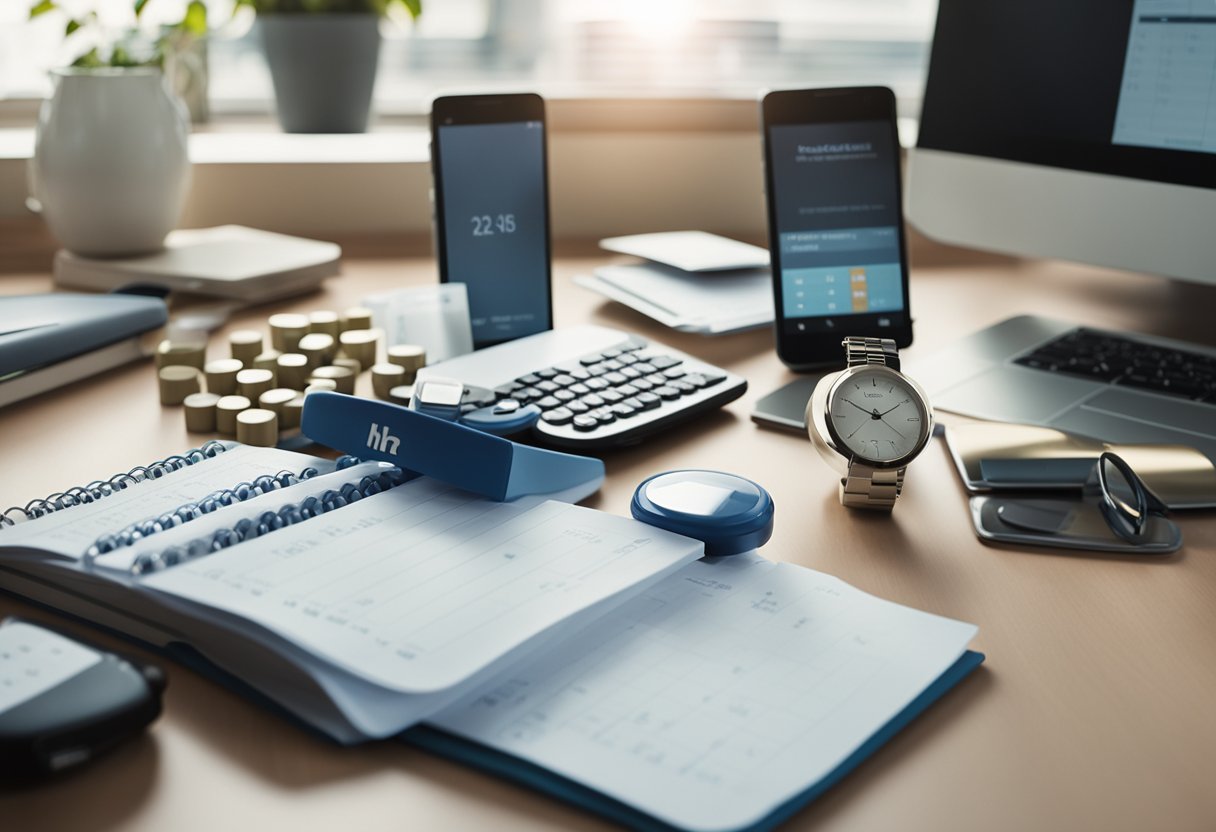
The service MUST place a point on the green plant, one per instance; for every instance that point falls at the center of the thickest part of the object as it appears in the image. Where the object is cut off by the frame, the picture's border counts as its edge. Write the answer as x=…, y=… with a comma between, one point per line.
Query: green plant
x=134, y=46
x=379, y=7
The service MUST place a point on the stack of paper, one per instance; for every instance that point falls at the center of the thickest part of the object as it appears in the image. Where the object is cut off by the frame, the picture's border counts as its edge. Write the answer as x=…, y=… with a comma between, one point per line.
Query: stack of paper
x=692, y=281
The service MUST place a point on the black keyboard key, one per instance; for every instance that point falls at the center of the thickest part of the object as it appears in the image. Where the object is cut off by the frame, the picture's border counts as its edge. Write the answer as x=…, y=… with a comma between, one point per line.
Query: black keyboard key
x=590, y=360
x=526, y=394
x=612, y=365
x=628, y=390
x=576, y=407
x=673, y=372
x=614, y=378
x=657, y=378
x=695, y=379
x=604, y=415
x=713, y=378
x=504, y=391
x=548, y=403
x=563, y=380
x=624, y=411
x=662, y=362
x=627, y=358
x=557, y=416
x=585, y=423
x=548, y=372
x=579, y=375
x=629, y=372
x=642, y=384
x=667, y=393
x=644, y=367
x=611, y=396
x=528, y=380
x=683, y=386
x=596, y=384
x=564, y=395
x=593, y=400
x=579, y=389
x=649, y=400
x=546, y=386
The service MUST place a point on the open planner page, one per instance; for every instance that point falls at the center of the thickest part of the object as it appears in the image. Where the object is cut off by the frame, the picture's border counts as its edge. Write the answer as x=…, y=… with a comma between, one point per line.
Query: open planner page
x=421, y=587
x=69, y=532
x=718, y=694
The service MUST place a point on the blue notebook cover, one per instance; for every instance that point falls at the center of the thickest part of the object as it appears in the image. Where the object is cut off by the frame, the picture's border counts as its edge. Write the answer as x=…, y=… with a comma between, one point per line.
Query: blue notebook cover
x=569, y=791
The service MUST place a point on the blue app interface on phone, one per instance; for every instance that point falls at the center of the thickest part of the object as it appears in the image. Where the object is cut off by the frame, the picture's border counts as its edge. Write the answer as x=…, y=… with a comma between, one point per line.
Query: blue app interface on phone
x=838, y=222
x=494, y=225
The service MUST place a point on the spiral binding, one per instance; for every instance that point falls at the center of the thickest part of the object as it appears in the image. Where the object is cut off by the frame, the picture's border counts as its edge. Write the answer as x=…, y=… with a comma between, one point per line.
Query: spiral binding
x=238, y=493
x=267, y=522
x=100, y=489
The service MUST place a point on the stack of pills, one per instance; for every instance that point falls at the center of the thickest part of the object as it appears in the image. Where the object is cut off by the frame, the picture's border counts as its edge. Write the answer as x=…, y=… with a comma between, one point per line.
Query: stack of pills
x=259, y=390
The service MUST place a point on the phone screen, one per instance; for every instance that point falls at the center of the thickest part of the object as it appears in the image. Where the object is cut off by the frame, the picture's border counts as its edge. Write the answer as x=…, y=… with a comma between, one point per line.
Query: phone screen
x=836, y=224
x=494, y=234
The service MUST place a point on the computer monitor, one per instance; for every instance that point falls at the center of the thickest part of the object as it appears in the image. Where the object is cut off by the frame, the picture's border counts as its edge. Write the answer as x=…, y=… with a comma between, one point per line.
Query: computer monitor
x=1078, y=129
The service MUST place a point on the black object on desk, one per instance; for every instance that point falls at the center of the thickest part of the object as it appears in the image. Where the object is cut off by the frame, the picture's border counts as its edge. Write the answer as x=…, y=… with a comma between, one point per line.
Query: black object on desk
x=63, y=702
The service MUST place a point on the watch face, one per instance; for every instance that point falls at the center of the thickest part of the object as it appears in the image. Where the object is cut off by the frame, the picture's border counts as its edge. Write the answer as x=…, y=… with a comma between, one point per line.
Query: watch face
x=877, y=416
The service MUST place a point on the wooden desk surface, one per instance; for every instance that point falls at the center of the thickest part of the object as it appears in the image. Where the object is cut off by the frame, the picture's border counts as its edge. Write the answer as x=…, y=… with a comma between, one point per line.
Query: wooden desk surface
x=1093, y=711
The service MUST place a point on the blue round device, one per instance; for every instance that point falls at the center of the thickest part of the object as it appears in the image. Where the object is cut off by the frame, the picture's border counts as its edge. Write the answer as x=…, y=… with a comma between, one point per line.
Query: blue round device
x=730, y=514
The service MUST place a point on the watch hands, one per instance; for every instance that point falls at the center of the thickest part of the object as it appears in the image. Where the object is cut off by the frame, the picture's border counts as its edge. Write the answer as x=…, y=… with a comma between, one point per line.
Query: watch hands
x=859, y=407
x=885, y=412
x=892, y=427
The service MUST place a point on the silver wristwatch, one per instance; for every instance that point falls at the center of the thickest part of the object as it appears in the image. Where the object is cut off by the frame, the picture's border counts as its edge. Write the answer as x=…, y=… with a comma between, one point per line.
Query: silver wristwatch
x=868, y=422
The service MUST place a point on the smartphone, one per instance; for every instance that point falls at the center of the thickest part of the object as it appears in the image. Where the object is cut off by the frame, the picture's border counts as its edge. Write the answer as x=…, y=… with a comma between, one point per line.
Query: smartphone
x=491, y=190
x=835, y=221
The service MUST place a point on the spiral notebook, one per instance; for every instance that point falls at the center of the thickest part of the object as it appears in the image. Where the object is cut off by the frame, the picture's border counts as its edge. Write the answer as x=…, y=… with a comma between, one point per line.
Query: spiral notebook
x=585, y=655
x=360, y=599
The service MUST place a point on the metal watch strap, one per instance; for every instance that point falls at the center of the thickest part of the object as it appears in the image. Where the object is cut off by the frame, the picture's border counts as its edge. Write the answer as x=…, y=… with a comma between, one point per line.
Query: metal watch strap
x=859, y=351
x=865, y=486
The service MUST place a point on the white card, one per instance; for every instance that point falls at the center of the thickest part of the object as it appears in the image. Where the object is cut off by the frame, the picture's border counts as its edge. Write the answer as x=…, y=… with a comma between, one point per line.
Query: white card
x=692, y=251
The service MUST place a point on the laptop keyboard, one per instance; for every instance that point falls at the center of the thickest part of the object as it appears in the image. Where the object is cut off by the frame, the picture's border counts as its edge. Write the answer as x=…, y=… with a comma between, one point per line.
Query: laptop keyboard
x=1100, y=356
x=617, y=396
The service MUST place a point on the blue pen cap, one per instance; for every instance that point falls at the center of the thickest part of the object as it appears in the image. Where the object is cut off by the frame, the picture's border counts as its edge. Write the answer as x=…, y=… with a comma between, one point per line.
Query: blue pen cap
x=729, y=513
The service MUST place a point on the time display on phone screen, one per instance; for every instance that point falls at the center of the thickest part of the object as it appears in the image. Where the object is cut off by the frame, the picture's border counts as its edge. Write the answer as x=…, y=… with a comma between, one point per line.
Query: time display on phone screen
x=494, y=212
x=485, y=225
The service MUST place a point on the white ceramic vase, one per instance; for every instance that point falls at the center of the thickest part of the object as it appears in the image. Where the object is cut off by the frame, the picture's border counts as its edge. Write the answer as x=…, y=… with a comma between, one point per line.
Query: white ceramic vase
x=111, y=168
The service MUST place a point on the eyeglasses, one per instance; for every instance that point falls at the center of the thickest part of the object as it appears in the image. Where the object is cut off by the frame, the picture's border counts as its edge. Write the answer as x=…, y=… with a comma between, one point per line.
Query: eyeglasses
x=1125, y=501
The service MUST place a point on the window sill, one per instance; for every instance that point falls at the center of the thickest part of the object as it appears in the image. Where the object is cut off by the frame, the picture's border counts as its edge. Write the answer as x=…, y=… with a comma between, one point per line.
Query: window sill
x=616, y=167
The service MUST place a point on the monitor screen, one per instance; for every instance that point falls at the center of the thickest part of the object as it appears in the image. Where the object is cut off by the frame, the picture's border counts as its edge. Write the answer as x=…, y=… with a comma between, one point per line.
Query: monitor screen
x=1119, y=87
x=1083, y=130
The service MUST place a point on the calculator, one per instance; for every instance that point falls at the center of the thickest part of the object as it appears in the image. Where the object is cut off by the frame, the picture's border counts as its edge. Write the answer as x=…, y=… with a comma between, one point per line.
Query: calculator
x=595, y=387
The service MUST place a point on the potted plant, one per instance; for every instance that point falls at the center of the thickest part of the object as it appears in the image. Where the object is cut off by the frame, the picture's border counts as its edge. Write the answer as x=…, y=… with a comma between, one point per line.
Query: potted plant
x=110, y=167
x=322, y=56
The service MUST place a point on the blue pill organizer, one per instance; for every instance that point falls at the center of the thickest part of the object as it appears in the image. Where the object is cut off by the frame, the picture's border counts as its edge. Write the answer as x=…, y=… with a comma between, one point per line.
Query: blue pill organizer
x=729, y=513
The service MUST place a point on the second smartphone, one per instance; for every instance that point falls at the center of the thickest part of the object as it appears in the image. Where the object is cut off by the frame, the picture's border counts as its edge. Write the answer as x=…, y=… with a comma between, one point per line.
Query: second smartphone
x=835, y=220
x=489, y=163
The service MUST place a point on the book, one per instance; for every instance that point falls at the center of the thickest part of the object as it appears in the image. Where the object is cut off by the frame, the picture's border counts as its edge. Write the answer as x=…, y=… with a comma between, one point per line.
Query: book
x=591, y=656
x=48, y=341
x=229, y=261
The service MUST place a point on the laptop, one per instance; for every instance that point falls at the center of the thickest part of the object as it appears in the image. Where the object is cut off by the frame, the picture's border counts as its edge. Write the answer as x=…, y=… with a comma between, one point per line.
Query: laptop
x=1112, y=386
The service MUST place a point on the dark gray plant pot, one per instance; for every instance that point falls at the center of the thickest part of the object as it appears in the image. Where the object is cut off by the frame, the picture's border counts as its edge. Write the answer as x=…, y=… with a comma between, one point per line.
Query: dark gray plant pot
x=323, y=67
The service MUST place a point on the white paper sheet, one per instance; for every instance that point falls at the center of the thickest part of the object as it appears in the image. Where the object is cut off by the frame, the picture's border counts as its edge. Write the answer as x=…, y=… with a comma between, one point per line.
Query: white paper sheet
x=421, y=587
x=723, y=691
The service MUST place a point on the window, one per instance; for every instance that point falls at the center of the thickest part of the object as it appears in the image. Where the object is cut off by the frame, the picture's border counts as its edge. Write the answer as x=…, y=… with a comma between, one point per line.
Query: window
x=582, y=48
